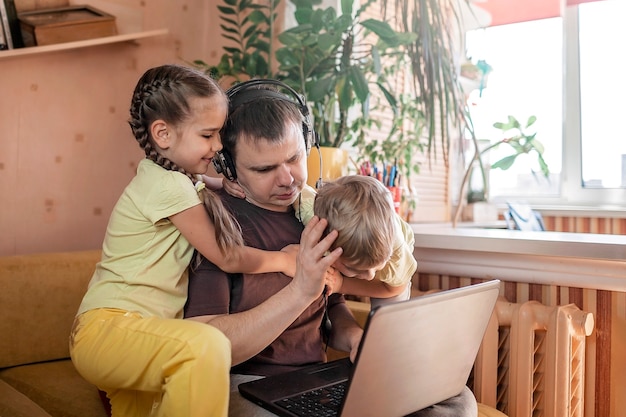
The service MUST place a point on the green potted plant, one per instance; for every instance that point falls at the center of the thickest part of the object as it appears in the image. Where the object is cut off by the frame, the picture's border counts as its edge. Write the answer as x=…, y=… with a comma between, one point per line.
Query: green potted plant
x=519, y=139
x=346, y=65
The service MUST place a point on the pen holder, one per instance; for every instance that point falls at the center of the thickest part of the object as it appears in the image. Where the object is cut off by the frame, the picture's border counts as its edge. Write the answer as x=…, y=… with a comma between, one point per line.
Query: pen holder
x=396, y=194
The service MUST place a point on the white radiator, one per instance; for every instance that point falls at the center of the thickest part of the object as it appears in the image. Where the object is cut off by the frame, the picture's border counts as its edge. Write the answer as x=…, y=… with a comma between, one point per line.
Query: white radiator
x=532, y=360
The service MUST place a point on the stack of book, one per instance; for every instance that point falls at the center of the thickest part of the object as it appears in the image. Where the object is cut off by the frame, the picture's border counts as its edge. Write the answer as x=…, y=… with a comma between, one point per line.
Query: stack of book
x=10, y=32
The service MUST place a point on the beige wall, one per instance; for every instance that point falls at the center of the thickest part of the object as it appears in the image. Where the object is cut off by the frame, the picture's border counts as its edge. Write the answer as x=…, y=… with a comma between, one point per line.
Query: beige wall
x=66, y=151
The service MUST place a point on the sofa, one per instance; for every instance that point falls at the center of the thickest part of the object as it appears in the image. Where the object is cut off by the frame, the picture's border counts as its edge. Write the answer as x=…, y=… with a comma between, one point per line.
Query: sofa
x=39, y=296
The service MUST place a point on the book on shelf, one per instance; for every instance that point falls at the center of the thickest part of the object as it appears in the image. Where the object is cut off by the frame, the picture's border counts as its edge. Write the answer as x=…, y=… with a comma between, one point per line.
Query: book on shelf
x=11, y=24
x=4, y=25
x=3, y=41
x=14, y=23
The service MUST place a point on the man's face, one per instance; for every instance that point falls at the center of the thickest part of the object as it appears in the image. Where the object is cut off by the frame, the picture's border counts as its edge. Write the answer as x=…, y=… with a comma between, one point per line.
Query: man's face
x=272, y=174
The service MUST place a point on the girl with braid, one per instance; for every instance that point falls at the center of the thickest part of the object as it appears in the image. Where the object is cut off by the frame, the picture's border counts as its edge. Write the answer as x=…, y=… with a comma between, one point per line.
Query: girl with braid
x=129, y=338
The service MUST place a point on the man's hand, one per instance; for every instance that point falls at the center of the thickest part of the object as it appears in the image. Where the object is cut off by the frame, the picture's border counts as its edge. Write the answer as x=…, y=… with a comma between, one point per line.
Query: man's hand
x=311, y=264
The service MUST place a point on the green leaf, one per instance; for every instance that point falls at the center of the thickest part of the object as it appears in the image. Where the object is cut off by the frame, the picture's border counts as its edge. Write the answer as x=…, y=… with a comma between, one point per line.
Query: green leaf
x=531, y=121
x=505, y=163
x=229, y=30
x=359, y=83
x=346, y=6
x=344, y=94
x=544, y=167
x=516, y=145
x=227, y=10
x=321, y=89
x=538, y=146
x=288, y=39
x=230, y=21
x=303, y=16
x=251, y=33
x=257, y=17
x=229, y=49
x=306, y=3
x=380, y=28
x=376, y=61
x=390, y=98
x=328, y=42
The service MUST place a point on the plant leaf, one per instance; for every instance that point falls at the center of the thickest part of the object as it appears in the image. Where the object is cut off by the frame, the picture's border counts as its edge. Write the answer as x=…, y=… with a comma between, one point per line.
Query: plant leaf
x=505, y=163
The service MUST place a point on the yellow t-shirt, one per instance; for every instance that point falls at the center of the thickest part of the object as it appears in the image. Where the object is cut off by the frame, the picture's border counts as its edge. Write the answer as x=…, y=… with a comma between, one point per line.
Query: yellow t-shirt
x=402, y=264
x=144, y=256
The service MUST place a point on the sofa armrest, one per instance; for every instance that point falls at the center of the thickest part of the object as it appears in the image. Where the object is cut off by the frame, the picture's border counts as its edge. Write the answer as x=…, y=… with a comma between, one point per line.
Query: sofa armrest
x=15, y=404
x=39, y=298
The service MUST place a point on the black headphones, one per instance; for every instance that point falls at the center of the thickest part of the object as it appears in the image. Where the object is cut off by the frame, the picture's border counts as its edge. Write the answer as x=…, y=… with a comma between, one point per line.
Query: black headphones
x=246, y=92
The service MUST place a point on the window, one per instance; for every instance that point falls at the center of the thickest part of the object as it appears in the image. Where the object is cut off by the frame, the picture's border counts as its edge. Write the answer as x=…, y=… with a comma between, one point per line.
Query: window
x=557, y=69
x=525, y=79
x=602, y=94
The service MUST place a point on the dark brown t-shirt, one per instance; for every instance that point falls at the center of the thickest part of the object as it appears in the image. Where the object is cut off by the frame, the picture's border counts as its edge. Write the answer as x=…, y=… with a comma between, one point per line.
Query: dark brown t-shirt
x=212, y=291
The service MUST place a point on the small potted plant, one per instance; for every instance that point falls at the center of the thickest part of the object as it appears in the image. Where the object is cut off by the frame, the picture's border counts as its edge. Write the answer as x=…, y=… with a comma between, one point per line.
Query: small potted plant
x=517, y=137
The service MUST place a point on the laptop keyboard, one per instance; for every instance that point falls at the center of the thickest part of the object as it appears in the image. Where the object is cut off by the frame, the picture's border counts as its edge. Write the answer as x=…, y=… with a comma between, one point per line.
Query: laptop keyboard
x=322, y=402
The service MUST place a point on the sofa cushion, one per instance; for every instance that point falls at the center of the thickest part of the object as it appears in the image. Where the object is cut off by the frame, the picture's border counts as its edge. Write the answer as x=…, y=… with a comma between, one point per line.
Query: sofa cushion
x=57, y=388
x=15, y=404
x=39, y=298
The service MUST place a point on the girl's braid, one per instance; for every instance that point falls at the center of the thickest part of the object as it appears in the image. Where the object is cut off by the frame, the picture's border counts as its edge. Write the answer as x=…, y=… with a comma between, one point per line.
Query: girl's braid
x=150, y=101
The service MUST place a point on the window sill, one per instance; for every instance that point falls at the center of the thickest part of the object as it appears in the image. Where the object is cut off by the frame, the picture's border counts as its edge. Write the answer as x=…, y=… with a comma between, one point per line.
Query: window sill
x=583, y=260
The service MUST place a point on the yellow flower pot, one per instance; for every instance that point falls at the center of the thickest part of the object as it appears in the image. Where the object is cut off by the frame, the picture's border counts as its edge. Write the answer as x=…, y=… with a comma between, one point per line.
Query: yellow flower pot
x=334, y=164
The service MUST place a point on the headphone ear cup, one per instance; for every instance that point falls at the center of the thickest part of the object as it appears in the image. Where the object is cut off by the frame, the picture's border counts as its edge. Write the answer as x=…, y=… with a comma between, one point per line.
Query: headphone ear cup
x=223, y=164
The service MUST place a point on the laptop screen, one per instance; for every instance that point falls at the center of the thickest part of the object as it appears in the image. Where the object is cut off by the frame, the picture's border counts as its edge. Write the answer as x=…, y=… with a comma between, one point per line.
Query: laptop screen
x=413, y=354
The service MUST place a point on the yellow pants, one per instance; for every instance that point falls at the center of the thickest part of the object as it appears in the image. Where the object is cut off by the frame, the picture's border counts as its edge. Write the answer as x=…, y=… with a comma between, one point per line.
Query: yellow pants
x=153, y=366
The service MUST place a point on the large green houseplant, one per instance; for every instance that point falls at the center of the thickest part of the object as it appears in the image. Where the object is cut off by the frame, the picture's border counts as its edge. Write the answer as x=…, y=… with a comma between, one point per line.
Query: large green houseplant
x=348, y=67
x=335, y=59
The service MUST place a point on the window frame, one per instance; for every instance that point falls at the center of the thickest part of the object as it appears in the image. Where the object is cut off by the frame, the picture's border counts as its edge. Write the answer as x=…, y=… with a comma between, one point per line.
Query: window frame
x=572, y=190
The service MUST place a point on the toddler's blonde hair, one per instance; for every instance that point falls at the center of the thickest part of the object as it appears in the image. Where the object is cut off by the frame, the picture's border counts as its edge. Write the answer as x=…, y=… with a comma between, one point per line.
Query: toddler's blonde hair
x=361, y=209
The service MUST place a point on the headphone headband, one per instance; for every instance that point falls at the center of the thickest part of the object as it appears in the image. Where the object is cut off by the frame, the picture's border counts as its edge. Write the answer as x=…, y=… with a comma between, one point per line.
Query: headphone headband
x=243, y=93
x=246, y=92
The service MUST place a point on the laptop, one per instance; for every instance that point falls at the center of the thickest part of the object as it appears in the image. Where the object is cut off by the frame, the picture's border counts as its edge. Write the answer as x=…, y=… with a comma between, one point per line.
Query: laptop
x=413, y=354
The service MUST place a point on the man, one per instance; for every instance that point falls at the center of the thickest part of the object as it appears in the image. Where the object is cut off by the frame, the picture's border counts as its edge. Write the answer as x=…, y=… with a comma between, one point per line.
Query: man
x=273, y=323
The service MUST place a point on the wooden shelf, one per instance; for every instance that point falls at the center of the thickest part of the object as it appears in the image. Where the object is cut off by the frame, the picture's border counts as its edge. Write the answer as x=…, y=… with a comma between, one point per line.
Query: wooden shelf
x=128, y=37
